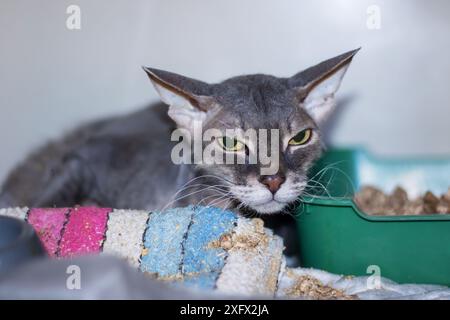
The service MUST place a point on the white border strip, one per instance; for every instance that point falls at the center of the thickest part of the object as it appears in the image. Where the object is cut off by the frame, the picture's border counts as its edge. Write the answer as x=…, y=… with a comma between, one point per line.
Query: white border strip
x=124, y=235
x=254, y=269
x=19, y=213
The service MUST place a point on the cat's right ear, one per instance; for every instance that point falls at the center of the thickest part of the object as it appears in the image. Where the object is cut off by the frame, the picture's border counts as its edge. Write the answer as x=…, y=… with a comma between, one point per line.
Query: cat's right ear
x=316, y=86
x=189, y=100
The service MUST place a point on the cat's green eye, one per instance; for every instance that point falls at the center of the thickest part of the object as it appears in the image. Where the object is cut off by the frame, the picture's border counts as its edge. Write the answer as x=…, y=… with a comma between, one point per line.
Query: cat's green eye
x=230, y=144
x=301, y=138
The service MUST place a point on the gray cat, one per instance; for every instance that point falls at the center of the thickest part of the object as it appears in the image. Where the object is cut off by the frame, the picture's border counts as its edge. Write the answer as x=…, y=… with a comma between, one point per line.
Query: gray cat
x=125, y=162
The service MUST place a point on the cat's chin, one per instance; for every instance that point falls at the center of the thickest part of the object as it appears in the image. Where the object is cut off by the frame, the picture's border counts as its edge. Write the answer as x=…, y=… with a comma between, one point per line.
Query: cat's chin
x=269, y=207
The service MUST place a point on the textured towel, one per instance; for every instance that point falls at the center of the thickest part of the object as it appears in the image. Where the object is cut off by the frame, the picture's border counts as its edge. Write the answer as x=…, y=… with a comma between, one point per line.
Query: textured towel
x=203, y=247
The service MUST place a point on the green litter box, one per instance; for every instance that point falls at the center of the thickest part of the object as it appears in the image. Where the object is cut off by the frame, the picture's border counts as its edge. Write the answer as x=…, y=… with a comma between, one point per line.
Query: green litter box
x=337, y=237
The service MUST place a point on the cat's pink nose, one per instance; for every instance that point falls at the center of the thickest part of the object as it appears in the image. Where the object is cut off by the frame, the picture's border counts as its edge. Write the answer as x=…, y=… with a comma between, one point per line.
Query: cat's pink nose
x=273, y=183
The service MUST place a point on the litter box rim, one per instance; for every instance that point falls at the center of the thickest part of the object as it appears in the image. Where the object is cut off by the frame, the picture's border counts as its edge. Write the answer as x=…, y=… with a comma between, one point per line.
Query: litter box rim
x=372, y=218
x=354, y=154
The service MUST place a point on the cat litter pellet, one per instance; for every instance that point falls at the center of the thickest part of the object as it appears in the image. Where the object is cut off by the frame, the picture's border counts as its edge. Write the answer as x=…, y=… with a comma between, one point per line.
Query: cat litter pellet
x=373, y=201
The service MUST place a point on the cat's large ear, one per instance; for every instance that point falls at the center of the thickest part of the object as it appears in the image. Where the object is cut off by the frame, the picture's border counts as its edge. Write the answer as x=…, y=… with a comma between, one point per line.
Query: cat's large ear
x=189, y=100
x=315, y=87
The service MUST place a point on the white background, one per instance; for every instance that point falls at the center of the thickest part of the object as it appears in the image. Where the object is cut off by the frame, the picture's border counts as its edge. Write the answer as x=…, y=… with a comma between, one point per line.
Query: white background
x=52, y=79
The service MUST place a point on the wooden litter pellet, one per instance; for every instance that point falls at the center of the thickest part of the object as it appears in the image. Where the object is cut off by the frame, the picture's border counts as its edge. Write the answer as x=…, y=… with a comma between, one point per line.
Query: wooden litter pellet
x=373, y=201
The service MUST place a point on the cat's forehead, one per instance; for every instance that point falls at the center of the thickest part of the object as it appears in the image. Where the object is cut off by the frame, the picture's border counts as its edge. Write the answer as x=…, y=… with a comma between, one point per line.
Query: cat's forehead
x=257, y=91
x=259, y=101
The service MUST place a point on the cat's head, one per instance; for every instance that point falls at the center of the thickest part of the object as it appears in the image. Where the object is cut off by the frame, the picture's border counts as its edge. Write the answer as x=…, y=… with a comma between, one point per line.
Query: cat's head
x=233, y=109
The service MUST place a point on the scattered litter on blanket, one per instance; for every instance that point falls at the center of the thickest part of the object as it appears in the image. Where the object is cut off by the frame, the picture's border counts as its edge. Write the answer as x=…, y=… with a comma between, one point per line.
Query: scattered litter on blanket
x=310, y=287
x=255, y=236
x=349, y=287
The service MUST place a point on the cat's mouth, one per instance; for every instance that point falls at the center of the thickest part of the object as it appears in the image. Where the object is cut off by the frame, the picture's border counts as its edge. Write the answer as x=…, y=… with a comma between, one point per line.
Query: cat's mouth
x=261, y=200
x=272, y=206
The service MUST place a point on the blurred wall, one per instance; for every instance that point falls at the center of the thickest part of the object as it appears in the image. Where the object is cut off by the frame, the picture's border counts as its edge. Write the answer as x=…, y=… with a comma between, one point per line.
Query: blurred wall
x=51, y=78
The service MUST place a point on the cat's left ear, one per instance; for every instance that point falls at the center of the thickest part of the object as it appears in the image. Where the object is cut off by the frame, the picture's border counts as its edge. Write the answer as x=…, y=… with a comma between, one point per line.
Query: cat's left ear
x=315, y=87
x=189, y=100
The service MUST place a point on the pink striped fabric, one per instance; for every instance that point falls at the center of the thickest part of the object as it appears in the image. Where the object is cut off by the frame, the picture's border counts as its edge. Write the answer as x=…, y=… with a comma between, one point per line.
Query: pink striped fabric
x=48, y=224
x=84, y=232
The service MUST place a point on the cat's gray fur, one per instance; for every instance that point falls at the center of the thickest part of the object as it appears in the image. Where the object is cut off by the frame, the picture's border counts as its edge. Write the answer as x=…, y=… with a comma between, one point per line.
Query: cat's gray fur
x=124, y=162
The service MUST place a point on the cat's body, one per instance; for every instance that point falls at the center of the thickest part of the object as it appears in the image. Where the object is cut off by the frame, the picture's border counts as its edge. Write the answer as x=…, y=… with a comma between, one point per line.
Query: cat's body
x=125, y=162
x=121, y=162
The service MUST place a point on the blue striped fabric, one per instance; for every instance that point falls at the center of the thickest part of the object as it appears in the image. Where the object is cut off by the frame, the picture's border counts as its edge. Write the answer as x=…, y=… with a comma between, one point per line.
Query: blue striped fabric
x=177, y=242
x=203, y=263
x=163, y=241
